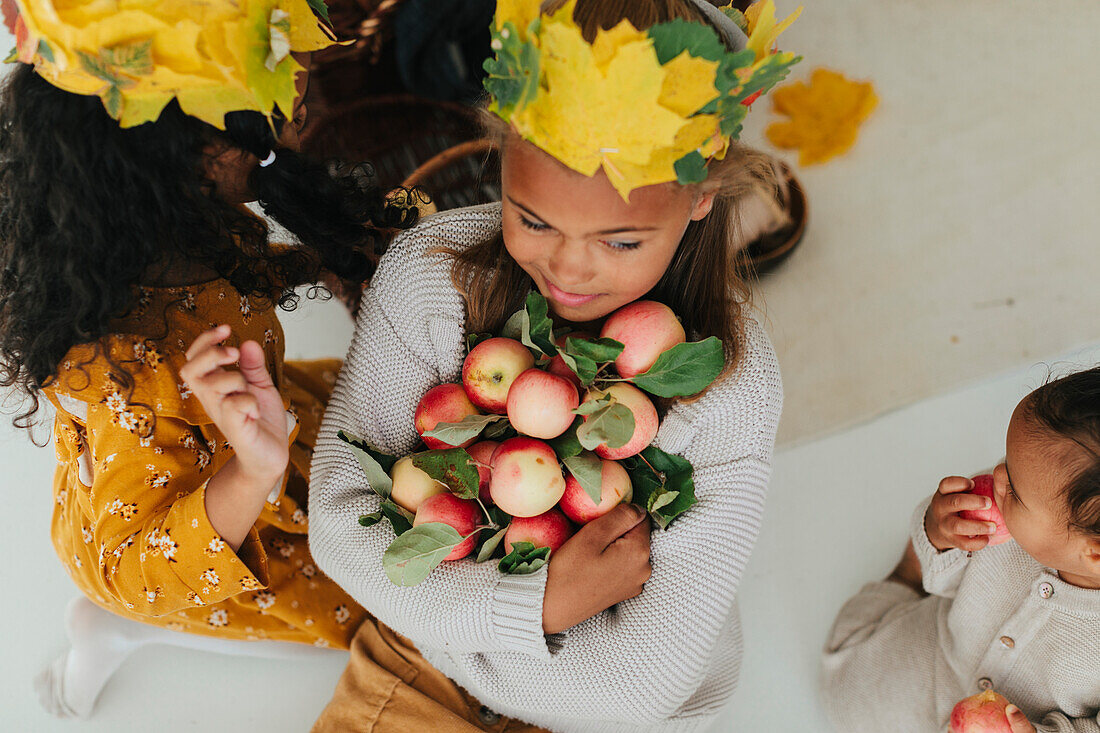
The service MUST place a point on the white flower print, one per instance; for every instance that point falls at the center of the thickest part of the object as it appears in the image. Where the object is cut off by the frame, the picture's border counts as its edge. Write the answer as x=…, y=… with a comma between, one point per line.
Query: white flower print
x=61, y=497
x=323, y=643
x=76, y=561
x=184, y=390
x=269, y=337
x=216, y=545
x=246, y=309
x=86, y=533
x=157, y=479
x=194, y=598
x=342, y=614
x=250, y=583
x=194, y=524
x=153, y=595
x=121, y=509
x=309, y=571
x=218, y=618
x=210, y=577
x=163, y=543
x=298, y=517
x=264, y=600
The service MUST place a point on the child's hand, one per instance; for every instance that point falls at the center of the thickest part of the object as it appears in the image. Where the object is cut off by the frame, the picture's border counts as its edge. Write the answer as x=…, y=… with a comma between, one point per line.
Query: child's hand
x=243, y=404
x=605, y=562
x=942, y=523
x=1017, y=721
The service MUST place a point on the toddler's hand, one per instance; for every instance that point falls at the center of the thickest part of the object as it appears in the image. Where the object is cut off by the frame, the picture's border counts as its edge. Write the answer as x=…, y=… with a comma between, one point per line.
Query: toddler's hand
x=942, y=523
x=605, y=562
x=243, y=404
x=1018, y=721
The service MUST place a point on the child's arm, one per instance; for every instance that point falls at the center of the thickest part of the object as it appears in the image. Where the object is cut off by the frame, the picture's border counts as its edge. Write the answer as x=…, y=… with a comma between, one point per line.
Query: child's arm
x=462, y=606
x=943, y=540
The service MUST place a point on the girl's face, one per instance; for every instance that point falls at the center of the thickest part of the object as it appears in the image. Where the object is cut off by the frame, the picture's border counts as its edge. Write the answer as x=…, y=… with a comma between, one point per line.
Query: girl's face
x=1029, y=489
x=587, y=250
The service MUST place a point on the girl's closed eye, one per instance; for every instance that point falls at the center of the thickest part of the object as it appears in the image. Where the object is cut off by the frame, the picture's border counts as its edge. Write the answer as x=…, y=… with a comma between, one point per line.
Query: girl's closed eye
x=534, y=226
x=620, y=245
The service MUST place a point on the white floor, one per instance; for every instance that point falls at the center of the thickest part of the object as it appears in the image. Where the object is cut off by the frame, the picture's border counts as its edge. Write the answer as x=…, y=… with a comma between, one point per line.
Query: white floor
x=836, y=518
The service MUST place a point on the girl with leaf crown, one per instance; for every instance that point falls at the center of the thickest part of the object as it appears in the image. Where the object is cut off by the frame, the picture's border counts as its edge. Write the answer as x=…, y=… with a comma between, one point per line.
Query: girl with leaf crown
x=617, y=123
x=131, y=135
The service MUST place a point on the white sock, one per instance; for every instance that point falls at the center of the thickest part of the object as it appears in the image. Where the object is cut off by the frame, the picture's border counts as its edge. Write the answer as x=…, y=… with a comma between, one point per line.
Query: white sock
x=101, y=641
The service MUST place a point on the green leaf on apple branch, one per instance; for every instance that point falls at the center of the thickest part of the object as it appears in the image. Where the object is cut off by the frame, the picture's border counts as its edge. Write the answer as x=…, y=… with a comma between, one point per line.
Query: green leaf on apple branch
x=473, y=339
x=410, y=557
x=499, y=431
x=375, y=464
x=400, y=519
x=490, y=545
x=513, y=327
x=498, y=516
x=524, y=559
x=566, y=444
x=539, y=332
x=457, y=433
x=601, y=350
x=677, y=478
x=582, y=366
x=590, y=406
x=588, y=470
x=612, y=425
x=683, y=370
x=644, y=480
x=453, y=467
x=661, y=498
x=369, y=520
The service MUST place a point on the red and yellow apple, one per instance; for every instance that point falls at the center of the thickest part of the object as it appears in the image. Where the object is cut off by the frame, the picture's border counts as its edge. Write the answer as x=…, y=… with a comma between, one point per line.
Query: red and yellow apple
x=645, y=419
x=411, y=486
x=983, y=486
x=489, y=370
x=981, y=713
x=541, y=404
x=615, y=488
x=646, y=329
x=549, y=529
x=526, y=479
x=445, y=403
x=462, y=514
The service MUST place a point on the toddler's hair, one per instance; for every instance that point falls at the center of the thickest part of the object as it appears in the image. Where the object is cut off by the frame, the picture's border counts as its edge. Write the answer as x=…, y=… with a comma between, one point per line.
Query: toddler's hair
x=1069, y=407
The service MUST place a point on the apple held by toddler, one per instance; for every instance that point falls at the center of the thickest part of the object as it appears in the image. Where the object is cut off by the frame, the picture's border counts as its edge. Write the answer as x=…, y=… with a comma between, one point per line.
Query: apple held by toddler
x=546, y=430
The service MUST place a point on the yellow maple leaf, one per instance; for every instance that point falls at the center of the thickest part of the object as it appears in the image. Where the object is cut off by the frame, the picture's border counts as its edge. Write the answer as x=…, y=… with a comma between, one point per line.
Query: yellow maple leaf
x=598, y=119
x=825, y=115
x=518, y=12
x=689, y=84
x=607, y=42
x=763, y=28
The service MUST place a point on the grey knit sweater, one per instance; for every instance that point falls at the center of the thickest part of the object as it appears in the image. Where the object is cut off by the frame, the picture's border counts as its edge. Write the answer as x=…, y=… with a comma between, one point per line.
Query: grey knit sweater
x=666, y=660
x=996, y=619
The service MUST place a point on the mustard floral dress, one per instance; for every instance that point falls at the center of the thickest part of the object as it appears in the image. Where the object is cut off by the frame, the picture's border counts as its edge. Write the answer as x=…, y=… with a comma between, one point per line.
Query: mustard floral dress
x=135, y=451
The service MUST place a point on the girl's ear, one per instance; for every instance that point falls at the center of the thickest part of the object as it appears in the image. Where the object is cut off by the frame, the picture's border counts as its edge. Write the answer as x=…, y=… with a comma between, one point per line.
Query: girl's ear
x=704, y=202
x=1092, y=553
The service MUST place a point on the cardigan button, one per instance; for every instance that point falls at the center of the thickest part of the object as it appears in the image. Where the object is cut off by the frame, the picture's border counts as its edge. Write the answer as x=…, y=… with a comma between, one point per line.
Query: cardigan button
x=1008, y=642
x=1046, y=590
x=487, y=716
x=985, y=683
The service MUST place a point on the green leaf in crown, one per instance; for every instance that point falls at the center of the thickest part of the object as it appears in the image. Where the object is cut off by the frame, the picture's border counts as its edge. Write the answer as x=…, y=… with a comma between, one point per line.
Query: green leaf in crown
x=513, y=73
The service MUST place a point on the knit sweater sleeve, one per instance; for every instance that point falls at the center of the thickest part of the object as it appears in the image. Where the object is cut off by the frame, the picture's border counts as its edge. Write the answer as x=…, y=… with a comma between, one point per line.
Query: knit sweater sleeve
x=943, y=571
x=408, y=317
x=641, y=661
x=1059, y=722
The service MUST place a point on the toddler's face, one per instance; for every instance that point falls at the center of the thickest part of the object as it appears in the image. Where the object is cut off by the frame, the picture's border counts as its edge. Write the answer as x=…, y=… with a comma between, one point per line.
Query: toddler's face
x=1029, y=488
x=587, y=250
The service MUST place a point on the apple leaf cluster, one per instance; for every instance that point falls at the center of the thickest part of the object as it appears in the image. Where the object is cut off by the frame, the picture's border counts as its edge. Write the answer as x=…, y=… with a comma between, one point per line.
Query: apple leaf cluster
x=663, y=484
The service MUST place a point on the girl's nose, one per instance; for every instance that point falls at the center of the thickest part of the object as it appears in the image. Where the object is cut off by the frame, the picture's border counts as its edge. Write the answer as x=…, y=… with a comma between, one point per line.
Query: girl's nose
x=571, y=265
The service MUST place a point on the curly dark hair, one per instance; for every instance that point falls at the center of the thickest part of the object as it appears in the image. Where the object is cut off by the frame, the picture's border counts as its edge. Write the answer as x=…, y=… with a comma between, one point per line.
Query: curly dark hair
x=1069, y=408
x=89, y=211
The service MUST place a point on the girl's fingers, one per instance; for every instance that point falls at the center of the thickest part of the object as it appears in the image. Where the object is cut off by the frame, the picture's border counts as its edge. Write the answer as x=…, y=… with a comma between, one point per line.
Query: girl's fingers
x=222, y=382
x=208, y=338
x=243, y=404
x=971, y=544
x=207, y=361
x=955, y=484
x=954, y=503
x=1017, y=721
x=970, y=527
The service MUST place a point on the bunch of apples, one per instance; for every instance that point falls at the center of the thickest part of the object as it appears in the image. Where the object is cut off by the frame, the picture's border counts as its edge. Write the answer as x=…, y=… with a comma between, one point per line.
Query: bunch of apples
x=546, y=431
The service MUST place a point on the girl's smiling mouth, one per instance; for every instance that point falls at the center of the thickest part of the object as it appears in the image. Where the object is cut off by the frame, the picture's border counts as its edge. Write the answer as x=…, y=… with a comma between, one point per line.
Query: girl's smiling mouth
x=572, y=300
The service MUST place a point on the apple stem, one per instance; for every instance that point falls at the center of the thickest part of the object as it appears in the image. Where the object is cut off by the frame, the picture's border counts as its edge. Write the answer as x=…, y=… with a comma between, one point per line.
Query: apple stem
x=492, y=524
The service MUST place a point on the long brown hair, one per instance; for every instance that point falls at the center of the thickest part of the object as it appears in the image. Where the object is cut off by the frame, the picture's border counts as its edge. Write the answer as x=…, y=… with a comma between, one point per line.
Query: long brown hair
x=703, y=283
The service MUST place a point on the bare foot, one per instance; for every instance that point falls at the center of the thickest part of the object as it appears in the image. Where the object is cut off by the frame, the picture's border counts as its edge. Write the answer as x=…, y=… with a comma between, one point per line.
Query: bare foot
x=908, y=571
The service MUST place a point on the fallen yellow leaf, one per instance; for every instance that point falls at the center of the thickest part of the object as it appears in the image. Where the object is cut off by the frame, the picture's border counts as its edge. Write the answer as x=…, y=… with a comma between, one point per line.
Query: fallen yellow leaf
x=825, y=115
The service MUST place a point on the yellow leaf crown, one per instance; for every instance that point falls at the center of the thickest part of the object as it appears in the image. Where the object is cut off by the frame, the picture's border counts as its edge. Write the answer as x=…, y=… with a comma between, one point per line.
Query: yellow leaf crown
x=647, y=107
x=212, y=56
